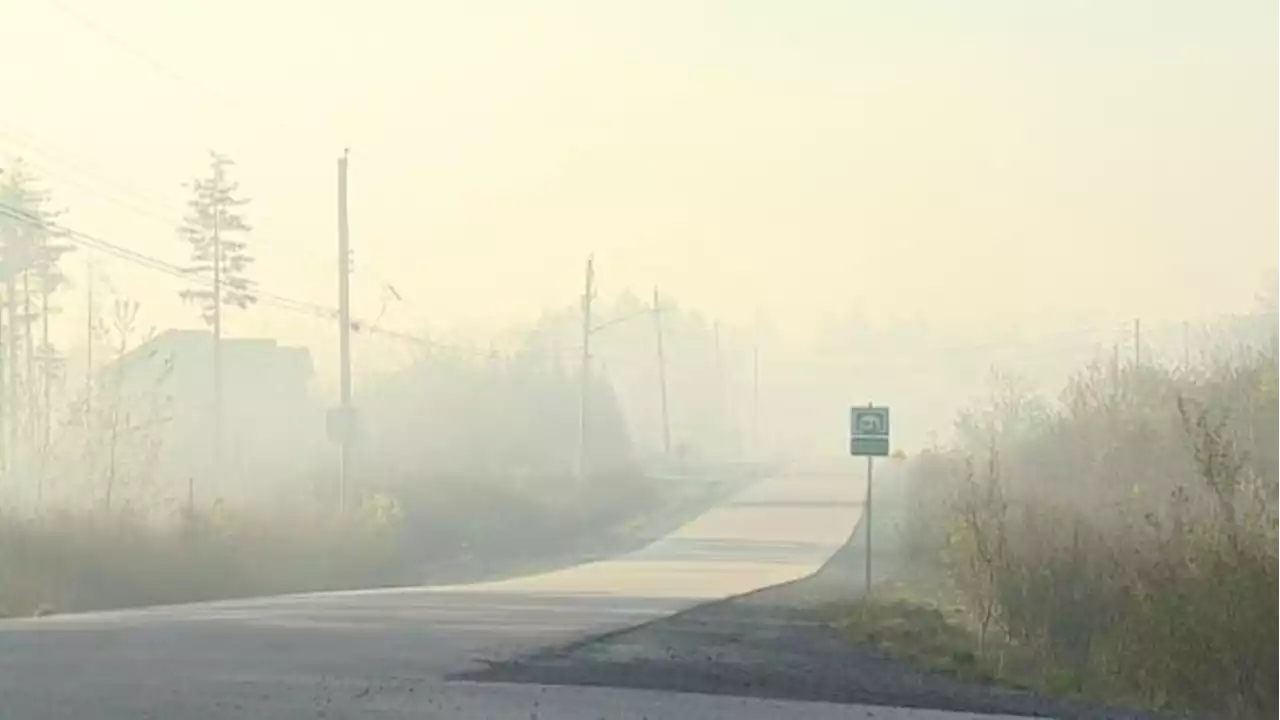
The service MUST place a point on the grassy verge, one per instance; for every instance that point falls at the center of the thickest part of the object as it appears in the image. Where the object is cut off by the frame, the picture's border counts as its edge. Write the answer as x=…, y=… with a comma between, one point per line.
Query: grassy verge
x=926, y=626
x=79, y=562
x=68, y=562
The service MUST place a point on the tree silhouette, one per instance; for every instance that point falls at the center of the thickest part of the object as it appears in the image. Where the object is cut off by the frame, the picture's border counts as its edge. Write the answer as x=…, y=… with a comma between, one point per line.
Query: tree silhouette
x=215, y=230
x=220, y=260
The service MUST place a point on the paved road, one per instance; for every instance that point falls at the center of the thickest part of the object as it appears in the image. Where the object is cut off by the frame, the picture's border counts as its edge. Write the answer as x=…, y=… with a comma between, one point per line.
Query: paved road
x=389, y=653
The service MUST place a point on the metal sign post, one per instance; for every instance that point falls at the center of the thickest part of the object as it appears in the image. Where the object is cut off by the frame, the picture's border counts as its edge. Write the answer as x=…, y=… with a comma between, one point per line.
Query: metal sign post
x=866, y=582
x=869, y=437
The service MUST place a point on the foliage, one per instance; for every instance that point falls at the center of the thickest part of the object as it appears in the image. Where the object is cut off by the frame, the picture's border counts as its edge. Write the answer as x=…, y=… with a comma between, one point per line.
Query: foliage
x=31, y=249
x=1127, y=537
x=708, y=371
x=29, y=239
x=453, y=414
x=104, y=450
x=214, y=228
x=99, y=560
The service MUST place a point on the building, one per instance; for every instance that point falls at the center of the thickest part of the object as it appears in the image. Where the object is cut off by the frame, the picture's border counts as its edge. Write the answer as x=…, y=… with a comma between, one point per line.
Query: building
x=273, y=434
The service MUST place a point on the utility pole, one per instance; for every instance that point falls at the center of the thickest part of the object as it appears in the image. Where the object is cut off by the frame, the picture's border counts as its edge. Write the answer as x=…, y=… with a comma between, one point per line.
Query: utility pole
x=662, y=374
x=344, y=335
x=588, y=295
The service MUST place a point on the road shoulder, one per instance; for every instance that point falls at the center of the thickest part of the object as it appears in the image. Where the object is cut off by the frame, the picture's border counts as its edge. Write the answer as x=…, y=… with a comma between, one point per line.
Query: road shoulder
x=774, y=643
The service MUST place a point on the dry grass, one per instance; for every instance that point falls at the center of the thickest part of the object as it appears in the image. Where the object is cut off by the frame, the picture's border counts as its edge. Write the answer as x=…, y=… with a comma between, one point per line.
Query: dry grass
x=920, y=625
x=63, y=563
x=1123, y=544
x=927, y=633
x=91, y=561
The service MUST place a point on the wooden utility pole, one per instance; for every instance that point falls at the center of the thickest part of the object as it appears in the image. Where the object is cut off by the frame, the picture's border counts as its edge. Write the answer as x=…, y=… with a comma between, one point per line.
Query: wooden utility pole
x=344, y=335
x=588, y=295
x=662, y=373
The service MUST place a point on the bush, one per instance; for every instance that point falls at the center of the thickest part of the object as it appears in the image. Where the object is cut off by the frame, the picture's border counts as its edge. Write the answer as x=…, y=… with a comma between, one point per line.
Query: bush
x=1126, y=536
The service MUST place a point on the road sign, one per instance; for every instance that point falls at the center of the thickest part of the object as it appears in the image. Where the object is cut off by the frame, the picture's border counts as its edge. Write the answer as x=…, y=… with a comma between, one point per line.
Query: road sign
x=869, y=431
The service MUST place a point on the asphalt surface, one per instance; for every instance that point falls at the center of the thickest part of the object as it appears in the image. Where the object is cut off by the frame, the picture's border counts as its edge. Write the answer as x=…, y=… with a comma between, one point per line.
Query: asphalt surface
x=397, y=653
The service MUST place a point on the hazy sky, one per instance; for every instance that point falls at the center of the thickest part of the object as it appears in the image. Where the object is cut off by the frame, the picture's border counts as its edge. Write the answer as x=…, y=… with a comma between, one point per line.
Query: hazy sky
x=958, y=162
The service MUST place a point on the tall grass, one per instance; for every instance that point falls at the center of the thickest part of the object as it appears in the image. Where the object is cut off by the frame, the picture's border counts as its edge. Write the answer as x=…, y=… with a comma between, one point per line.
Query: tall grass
x=78, y=561
x=1125, y=536
x=102, y=559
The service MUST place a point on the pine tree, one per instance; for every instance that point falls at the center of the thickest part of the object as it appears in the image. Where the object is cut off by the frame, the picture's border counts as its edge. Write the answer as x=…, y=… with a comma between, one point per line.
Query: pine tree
x=215, y=230
x=29, y=249
x=219, y=255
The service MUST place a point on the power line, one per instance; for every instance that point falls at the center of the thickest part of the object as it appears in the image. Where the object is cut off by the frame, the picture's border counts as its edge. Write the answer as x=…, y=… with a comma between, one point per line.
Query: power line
x=129, y=48
x=91, y=180
x=265, y=297
x=143, y=203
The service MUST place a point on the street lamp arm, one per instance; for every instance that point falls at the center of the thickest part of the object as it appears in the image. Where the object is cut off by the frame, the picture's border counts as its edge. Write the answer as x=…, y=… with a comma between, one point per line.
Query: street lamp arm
x=619, y=320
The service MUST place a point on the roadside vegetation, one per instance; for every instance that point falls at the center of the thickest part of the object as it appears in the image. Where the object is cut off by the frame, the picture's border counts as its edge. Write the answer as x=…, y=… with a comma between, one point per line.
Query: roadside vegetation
x=75, y=561
x=425, y=510
x=1119, y=544
x=116, y=488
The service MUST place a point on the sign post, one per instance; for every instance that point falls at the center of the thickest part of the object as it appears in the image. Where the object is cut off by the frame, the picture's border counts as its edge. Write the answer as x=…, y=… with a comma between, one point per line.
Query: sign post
x=868, y=437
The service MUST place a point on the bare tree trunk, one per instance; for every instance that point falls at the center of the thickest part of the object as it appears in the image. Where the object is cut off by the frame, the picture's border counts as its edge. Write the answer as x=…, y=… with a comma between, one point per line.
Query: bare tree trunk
x=111, y=457
x=46, y=383
x=115, y=413
x=217, y=350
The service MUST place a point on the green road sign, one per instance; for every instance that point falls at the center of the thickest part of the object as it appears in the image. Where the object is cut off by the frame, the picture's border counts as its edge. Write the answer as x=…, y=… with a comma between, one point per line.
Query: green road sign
x=869, y=431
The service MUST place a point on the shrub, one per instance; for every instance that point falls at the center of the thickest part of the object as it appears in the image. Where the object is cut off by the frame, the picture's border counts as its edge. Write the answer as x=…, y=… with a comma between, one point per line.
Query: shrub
x=1127, y=536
